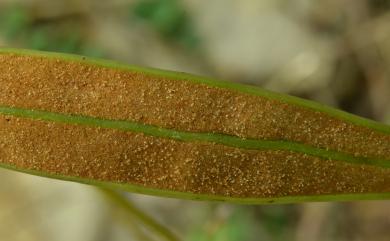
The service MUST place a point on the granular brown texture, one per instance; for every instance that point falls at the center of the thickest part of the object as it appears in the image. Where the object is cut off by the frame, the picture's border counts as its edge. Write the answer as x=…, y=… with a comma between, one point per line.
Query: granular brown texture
x=80, y=88
x=196, y=167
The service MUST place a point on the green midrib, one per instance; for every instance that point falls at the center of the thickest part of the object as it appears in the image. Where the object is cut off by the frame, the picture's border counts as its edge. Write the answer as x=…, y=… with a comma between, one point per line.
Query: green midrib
x=233, y=141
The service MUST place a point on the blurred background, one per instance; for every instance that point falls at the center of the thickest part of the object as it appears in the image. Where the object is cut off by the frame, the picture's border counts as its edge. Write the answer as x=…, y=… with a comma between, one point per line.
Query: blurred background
x=335, y=52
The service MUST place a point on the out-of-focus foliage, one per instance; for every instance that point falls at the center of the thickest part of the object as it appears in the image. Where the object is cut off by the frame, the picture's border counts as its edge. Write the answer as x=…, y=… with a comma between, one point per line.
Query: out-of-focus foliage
x=62, y=35
x=168, y=18
x=238, y=226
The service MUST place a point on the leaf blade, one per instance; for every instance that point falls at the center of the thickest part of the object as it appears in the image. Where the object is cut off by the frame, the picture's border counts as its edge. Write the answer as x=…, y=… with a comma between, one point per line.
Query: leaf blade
x=224, y=157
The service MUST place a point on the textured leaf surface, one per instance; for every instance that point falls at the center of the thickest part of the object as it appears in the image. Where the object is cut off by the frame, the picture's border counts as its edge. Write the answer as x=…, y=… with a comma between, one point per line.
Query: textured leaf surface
x=172, y=134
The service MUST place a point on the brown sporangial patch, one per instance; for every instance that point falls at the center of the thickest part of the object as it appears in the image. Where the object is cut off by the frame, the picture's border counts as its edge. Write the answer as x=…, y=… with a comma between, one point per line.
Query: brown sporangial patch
x=195, y=167
x=80, y=88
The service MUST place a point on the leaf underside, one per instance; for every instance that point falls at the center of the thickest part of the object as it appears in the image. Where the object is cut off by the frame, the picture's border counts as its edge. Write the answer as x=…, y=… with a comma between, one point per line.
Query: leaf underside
x=176, y=135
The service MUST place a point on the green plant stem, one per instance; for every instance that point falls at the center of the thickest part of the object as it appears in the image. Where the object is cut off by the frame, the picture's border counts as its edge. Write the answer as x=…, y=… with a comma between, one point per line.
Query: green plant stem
x=134, y=212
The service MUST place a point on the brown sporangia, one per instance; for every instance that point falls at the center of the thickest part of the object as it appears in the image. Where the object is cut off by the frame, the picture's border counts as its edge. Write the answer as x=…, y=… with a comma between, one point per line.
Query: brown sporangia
x=204, y=168
x=79, y=88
